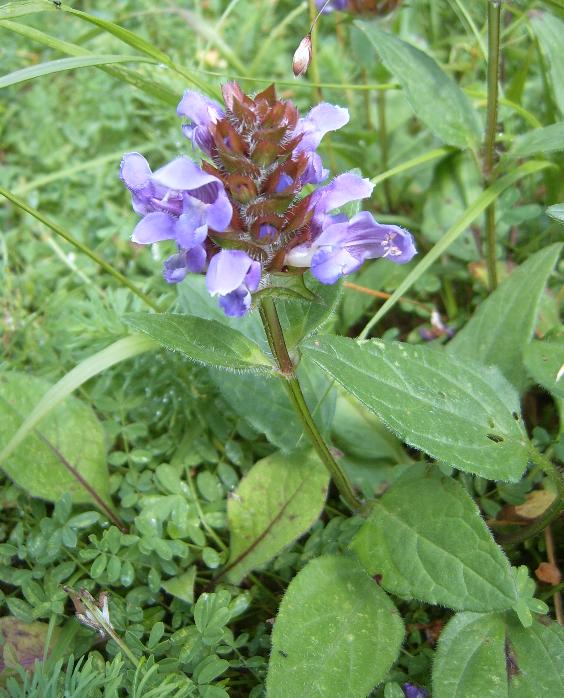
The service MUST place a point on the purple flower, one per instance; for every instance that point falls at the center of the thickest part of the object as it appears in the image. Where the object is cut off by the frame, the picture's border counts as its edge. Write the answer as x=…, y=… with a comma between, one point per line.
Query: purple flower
x=412, y=691
x=320, y=120
x=202, y=112
x=233, y=275
x=178, y=202
x=343, y=246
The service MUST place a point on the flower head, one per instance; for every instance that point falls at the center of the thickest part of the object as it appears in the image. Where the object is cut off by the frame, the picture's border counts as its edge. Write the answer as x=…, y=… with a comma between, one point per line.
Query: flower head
x=373, y=7
x=243, y=214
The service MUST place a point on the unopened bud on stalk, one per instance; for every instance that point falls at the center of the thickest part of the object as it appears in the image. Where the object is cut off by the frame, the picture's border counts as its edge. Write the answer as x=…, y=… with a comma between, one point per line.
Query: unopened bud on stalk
x=302, y=57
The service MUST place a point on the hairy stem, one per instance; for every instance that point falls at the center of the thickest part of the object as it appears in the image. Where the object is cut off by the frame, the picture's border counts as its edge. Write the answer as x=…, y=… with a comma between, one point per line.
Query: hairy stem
x=494, y=15
x=275, y=336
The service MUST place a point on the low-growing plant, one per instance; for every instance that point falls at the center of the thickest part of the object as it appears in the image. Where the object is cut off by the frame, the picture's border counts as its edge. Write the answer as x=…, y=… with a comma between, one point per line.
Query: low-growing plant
x=301, y=495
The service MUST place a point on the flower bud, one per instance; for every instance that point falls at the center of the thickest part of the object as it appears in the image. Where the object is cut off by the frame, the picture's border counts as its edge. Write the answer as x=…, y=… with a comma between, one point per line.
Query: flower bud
x=302, y=56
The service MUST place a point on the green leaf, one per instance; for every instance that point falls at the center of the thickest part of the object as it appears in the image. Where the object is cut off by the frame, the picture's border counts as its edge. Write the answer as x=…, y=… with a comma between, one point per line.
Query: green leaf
x=426, y=539
x=499, y=331
x=182, y=586
x=544, y=359
x=20, y=8
x=455, y=410
x=556, y=212
x=336, y=634
x=62, y=64
x=73, y=432
x=550, y=30
x=536, y=658
x=540, y=140
x=270, y=411
x=470, y=658
x=23, y=643
x=434, y=97
x=275, y=503
x=204, y=341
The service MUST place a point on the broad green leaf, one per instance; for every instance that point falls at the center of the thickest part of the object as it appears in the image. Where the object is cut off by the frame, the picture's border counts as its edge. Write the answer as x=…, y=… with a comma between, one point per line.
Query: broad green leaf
x=476, y=208
x=544, y=360
x=275, y=503
x=121, y=350
x=499, y=331
x=540, y=140
x=435, y=98
x=62, y=64
x=73, y=432
x=455, y=410
x=556, y=212
x=204, y=341
x=427, y=541
x=336, y=634
x=357, y=432
x=550, y=30
x=536, y=658
x=470, y=658
x=270, y=411
x=23, y=643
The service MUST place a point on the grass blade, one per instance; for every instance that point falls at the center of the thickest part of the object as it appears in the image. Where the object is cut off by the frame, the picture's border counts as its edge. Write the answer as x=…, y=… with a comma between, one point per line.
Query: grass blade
x=61, y=64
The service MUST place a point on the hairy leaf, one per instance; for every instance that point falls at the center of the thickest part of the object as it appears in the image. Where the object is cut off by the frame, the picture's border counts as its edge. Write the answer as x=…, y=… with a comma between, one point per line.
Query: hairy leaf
x=499, y=331
x=536, y=658
x=336, y=633
x=427, y=541
x=277, y=501
x=456, y=411
x=470, y=658
x=204, y=341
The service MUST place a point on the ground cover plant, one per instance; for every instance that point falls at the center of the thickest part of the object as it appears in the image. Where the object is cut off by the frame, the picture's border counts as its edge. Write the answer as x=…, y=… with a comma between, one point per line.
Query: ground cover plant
x=292, y=426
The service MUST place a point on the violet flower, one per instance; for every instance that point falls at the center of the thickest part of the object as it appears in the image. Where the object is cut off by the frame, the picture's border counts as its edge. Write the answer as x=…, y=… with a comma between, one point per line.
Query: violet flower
x=244, y=214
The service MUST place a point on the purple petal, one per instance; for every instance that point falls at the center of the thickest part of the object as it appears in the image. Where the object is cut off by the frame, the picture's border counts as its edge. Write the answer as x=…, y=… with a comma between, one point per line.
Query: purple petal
x=343, y=189
x=196, y=259
x=227, y=271
x=369, y=239
x=327, y=265
x=190, y=229
x=236, y=303
x=220, y=212
x=135, y=172
x=182, y=175
x=174, y=268
x=412, y=691
x=199, y=109
x=252, y=279
x=320, y=120
x=154, y=227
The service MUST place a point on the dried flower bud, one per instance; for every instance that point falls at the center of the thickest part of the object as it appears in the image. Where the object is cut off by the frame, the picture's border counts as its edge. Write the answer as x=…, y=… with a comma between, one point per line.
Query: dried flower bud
x=302, y=56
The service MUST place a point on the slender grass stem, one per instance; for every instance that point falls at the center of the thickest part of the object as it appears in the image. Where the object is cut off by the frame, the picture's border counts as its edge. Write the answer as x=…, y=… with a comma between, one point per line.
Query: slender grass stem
x=314, y=66
x=494, y=16
x=275, y=336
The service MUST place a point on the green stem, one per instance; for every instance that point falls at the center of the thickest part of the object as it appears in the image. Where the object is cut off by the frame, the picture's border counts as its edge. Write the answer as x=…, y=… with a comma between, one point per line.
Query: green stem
x=494, y=16
x=275, y=336
x=384, y=151
x=314, y=67
x=100, y=261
